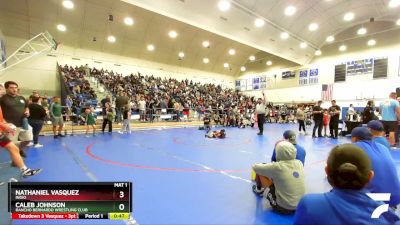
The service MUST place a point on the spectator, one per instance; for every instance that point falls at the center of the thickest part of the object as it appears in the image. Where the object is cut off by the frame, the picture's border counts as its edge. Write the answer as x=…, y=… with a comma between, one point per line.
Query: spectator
x=378, y=133
x=126, y=115
x=56, y=117
x=103, y=102
x=348, y=171
x=334, y=112
x=5, y=142
x=285, y=179
x=301, y=116
x=385, y=178
x=109, y=118
x=36, y=119
x=326, y=118
x=120, y=103
x=90, y=120
x=290, y=136
x=142, y=109
x=390, y=112
x=318, y=117
x=368, y=113
x=351, y=114
x=15, y=109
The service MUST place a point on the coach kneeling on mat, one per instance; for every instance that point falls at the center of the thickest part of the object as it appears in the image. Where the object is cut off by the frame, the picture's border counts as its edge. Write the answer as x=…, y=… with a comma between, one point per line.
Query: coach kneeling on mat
x=285, y=179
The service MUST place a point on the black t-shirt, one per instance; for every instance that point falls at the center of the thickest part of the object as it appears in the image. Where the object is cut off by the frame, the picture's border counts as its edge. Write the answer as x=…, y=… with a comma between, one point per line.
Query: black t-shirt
x=36, y=112
x=318, y=116
x=13, y=109
x=103, y=103
x=332, y=109
x=125, y=114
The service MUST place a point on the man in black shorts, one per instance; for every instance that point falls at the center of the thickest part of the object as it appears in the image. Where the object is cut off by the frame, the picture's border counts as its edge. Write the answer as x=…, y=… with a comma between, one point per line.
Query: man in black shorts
x=390, y=111
x=334, y=111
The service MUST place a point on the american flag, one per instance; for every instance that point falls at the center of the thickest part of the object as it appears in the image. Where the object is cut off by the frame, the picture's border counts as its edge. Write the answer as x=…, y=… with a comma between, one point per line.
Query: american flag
x=327, y=92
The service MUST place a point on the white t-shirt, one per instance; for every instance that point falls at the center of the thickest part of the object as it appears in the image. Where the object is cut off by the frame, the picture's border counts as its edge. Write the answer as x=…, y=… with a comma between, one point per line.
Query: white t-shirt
x=142, y=105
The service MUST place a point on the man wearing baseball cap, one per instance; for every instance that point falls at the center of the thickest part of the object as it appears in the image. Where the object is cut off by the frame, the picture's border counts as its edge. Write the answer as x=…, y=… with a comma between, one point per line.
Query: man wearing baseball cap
x=386, y=179
x=378, y=132
x=348, y=171
x=290, y=136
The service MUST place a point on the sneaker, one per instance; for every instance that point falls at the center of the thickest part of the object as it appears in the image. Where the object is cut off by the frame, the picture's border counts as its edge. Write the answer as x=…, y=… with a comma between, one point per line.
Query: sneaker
x=258, y=191
x=60, y=135
x=259, y=133
x=55, y=136
x=31, y=172
x=88, y=136
x=38, y=145
x=30, y=144
x=2, y=183
x=120, y=132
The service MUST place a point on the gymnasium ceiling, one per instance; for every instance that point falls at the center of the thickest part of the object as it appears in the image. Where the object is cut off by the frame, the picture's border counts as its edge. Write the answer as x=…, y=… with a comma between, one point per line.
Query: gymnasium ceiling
x=196, y=21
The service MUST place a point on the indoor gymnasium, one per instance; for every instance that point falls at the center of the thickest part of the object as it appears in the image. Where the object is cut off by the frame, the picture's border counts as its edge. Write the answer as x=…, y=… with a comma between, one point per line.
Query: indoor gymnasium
x=192, y=112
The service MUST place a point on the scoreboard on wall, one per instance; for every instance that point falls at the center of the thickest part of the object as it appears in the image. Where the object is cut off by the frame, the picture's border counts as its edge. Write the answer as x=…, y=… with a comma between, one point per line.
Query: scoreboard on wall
x=70, y=201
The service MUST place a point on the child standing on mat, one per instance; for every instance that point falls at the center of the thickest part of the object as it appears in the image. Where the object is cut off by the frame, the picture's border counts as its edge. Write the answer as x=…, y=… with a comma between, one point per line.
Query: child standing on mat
x=108, y=118
x=126, y=114
x=326, y=119
x=90, y=121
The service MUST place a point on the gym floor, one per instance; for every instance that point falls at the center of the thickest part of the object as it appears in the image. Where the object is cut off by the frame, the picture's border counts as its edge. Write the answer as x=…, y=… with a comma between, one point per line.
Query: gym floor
x=178, y=175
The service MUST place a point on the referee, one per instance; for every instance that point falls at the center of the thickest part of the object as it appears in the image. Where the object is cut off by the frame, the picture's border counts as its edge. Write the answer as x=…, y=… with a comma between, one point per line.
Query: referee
x=260, y=111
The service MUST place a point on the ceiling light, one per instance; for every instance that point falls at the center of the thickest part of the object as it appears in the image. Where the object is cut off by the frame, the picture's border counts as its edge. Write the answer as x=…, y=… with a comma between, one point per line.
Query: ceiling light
x=398, y=22
x=68, y=4
x=313, y=27
x=172, y=34
x=303, y=45
x=371, y=42
x=242, y=68
x=252, y=58
x=318, y=52
x=348, y=16
x=128, y=21
x=362, y=31
x=226, y=65
x=206, y=44
x=343, y=48
x=206, y=60
x=259, y=22
x=269, y=63
x=224, y=5
x=330, y=38
x=232, y=51
x=150, y=47
x=111, y=39
x=181, y=54
x=284, y=35
x=290, y=10
x=61, y=27
x=394, y=3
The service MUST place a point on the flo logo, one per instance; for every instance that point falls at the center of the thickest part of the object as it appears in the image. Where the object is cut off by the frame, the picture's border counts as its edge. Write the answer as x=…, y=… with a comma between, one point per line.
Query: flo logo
x=382, y=208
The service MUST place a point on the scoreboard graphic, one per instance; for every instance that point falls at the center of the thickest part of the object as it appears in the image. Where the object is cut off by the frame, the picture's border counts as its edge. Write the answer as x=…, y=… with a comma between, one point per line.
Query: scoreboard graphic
x=70, y=201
